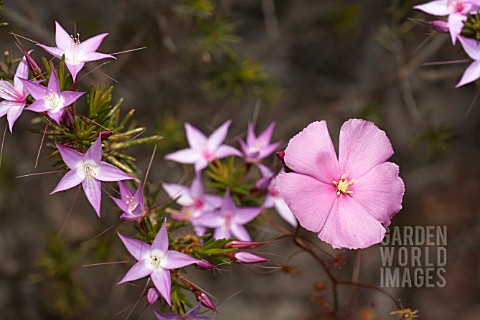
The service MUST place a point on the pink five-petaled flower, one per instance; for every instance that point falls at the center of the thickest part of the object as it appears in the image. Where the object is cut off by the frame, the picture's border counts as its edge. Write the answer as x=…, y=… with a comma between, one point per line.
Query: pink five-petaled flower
x=193, y=314
x=50, y=98
x=131, y=204
x=15, y=95
x=203, y=150
x=229, y=220
x=89, y=170
x=76, y=53
x=155, y=260
x=193, y=200
x=257, y=148
x=456, y=10
x=472, y=48
x=273, y=198
x=344, y=200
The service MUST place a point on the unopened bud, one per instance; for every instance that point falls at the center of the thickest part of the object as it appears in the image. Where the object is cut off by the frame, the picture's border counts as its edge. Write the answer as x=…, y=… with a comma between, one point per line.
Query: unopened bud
x=243, y=244
x=104, y=135
x=247, y=257
x=152, y=296
x=204, y=265
x=205, y=300
x=439, y=25
x=281, y=156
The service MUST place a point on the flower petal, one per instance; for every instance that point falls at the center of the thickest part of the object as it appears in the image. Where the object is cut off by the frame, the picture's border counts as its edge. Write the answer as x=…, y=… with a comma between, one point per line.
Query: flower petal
x=62, y=38
x=455, y=25
x=266, y=135
x=179, y=192
x=362, y=146
x=74, y=68
x=72, y=158
x=95, y=151
x=71, y=179
x=37, y=106
x=226, y=151
x=56, y=116
x=136, y=272
x=136, y=247
x=195, y=138
x=309, y=199
x=22, y=72
x=93, y=191
x=161, y=239
x=471, y=74
x=108, y=172
x=177, y=259
x=471, y=47
x=71, y=96
x=245, y=214
x=53, y=84
x=94, y=56
x=435, y=8
x=380, y=192
x=8, y=91
x=285, y=212
x=13, y=113
x=91, y=44
x=161, y=280
x=350, y=226
x=218, y=136
x=222, y=233
x=54, y=51
x=184, y=156
x=311, y=152
x=196, y=189
x=37, y=91
x=240, y=232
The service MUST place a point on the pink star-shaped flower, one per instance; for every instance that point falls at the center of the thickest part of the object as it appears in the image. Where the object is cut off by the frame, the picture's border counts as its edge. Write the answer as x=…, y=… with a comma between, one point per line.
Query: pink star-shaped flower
x=203, y=150
x=257, y=148
x=155, y=260
x=344, y=200
x=89, y=170
x=15, y=96
x=132, y=204
x=76, y=53
x=50, y=99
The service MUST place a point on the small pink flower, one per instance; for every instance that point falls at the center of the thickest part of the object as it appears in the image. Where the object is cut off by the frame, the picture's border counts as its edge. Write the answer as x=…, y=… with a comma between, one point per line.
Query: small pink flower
x=472, y=48
x=204, y=150
x=257, y=148
x=247, y=257
x=344, y=200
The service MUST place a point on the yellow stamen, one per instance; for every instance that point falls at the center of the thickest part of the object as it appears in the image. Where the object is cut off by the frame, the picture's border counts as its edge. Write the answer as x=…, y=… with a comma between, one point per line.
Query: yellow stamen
x=342, y=185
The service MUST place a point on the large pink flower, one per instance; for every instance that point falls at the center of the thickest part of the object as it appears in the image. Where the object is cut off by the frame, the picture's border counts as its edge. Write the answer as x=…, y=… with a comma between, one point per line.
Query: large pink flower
x=344, y=200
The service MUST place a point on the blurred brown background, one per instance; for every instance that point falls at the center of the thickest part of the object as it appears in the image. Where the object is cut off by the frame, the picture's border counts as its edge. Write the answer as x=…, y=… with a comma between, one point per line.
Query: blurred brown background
x=321, y=59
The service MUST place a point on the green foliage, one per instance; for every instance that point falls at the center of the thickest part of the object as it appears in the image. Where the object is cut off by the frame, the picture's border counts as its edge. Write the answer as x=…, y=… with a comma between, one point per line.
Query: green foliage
x=171, y=129
x=346, y=19
x=64, y=295
x=472, y=26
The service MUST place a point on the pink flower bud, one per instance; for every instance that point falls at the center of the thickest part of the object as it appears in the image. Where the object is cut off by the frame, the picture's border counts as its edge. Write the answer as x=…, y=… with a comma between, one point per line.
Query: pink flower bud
x=246, y=257
x=439, y=25
x=204, y=265
x=105, y=134
x=281, y=156
x=152, y=296
x=205, y=300
x=244, y=244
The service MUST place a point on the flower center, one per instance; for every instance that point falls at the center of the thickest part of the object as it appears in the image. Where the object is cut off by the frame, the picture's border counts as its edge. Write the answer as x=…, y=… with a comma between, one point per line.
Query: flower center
x=460, y=7
x=90, y=171
x=76, y=42
x=342, y=185
x=131, y=203
x=53, y=101
x=155, y=259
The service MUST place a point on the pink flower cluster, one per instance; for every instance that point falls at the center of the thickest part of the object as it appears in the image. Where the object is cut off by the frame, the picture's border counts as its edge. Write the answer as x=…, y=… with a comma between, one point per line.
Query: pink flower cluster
x=457, y=12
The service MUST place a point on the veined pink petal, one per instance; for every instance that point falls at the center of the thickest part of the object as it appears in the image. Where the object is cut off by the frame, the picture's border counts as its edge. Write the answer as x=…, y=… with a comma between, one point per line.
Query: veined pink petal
x=54, y=51
x=37, y=91
x=8, y=91
x=380, y=192
x=161, y=280
x=179, y=192
x=240, y=232
x=71, y=157
x=350, y=226
x=62, y=38
x=309, y=199
x=362, y=146
x=13, y=113
x=285, y=212
x=91, y=44
x=71, y=96
x=94, y=56
x=184, y=156
x=471, y=74
x=161, y=239
x=177, y=259
x=108, y=172
x=136, y=247
x=435, y=8
x=226, y=151
x=5, y=106
x=311, y=152
x=218, y=136
x=222, y=233
x=93, y=191
x=22, y=72
x=53, y=84
x=245, y=214
x=455, y=25
x=37, y=106
x=124, y=190
x=195, y=138
x=136, y=272
x=471, y=47
x=74, y=68
x=120, y=202
x=138, y=196
x=71, y=179
x=94, y=153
